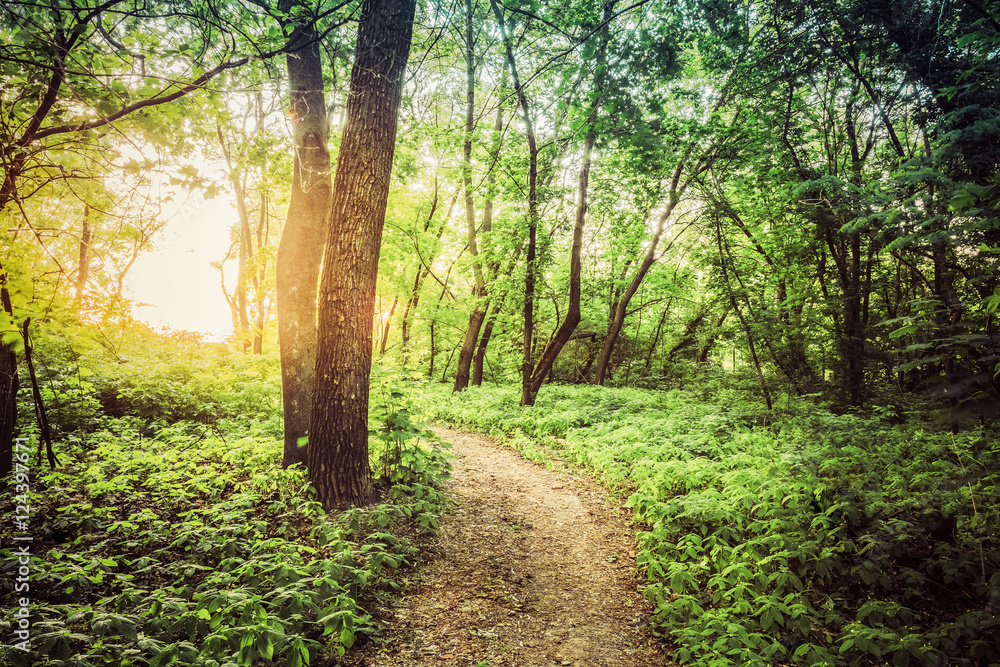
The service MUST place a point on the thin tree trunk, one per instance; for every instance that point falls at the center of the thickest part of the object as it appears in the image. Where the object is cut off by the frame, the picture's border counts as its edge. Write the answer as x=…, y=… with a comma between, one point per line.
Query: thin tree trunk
x=656, y=336
x=478, y=311
x=484, y=341
x=676, y=190
x=529, y=280
x=707, y=347
x=487, y=329
x=300, y=251
x=568, y=325
x=258, y=282
x=9, y=383
x=245, y=244
x=36, y=393
x=388, y=321
x=739, y=314
x=423, y=271
x=618, y=321
x=83, y=268
x=338, y=440
x=418, y=279
x=688, y=337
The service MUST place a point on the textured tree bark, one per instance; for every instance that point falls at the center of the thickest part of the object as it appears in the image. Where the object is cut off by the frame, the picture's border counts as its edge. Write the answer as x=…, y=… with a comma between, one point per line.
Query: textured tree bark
x=300, y=251
x=338, y=439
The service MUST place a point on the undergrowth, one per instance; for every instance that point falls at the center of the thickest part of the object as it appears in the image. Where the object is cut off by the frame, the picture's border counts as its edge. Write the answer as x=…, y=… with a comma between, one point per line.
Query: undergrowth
x=793, y=536
x=160, y=540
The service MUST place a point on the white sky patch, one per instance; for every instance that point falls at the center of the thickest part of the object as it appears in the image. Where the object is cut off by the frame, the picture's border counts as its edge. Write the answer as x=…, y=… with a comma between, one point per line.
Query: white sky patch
x=177, y=280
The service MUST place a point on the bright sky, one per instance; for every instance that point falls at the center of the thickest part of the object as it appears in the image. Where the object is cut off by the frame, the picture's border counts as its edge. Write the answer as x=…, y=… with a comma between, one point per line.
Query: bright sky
x=177, y=278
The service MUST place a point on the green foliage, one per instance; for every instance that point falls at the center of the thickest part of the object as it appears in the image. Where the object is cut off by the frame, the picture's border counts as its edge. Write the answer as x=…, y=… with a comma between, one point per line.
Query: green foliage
x=403, y=450
x=162, y=541
x=789, y=537
x=155, y=382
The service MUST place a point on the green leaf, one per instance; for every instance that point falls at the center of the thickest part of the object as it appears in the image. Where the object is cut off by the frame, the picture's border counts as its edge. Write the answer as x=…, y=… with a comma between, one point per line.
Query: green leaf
x=167, y=656
x=265, y=646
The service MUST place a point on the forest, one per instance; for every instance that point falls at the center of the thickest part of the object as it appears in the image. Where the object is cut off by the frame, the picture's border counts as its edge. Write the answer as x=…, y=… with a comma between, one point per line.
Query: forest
x=737, y=261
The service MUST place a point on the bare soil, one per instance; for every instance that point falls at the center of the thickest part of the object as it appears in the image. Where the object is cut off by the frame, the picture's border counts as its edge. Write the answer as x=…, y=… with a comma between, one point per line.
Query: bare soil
x=535, y=567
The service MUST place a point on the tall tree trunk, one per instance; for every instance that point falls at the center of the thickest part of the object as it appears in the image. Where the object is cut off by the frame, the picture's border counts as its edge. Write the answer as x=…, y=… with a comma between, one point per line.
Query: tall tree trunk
x=478, y=311
x=388, y=321
x=423, y=271
x=529, y=279
x=707, y=347
x=790, y=357
x=621, y=307
x=568, y=325
x=263, y=232
x=8, y=387
x=743, y=320
x=338, y=441
x=245, y=243
x=300, y=251
x=495, y=299
x=83, y=267
x=854, y=333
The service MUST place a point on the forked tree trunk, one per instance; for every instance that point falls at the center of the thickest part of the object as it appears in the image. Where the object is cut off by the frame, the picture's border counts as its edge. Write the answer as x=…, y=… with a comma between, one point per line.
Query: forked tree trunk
x=246, y=248
x=496, y=300
x=710, y=342
x=621, y=308
x=338, y=439
x=484, y=341
x=689, y=337
x=300, y=251
x=690, y=169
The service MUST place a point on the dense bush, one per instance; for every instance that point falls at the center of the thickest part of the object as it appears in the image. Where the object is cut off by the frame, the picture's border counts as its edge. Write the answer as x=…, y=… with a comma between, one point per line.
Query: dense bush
x=155, y=380
x=787, y=536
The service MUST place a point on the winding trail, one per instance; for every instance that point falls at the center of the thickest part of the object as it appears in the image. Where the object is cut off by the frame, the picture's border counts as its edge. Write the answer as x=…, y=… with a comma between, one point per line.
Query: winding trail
x=533, y=568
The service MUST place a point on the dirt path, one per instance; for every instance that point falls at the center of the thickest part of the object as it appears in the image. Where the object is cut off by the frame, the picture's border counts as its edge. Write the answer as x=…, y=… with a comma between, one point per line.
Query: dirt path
x=534, y=568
